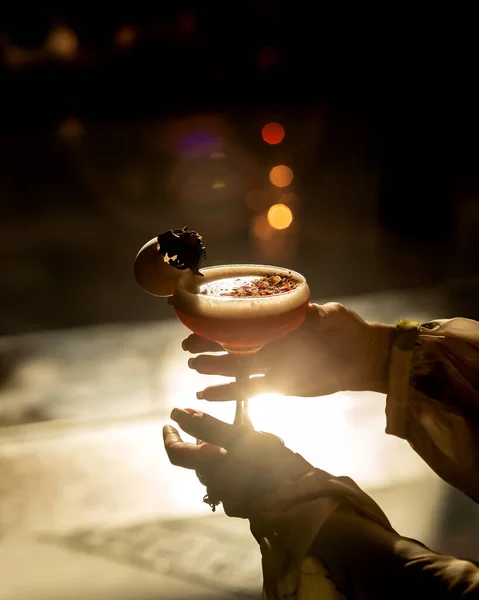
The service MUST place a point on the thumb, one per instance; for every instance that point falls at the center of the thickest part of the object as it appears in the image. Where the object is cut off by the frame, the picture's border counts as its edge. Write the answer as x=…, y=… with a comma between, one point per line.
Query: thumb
x=315, y=311
x=330, y=310
x=326, y=316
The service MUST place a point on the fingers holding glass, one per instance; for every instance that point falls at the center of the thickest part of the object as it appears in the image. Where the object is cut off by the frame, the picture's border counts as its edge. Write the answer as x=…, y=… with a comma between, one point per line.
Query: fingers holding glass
x=208, y=364
x=229, y=391
x=196, y=345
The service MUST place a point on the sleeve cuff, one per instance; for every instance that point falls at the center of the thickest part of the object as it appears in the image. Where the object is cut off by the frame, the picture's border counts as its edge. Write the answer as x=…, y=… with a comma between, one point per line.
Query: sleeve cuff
x=402, y=351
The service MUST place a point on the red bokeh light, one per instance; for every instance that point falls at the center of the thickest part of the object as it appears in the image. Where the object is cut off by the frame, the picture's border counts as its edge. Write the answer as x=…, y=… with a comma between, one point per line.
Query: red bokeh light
x=267, y=57
x=273, y=133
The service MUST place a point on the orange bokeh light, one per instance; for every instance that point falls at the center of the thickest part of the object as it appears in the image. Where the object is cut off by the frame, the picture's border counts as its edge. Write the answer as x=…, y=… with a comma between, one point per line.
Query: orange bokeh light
x=280, y=216
x=262, y=230
x=63, y=42
x=71, y=128
x=125, y=36
x=281, y=176
x=272, y=133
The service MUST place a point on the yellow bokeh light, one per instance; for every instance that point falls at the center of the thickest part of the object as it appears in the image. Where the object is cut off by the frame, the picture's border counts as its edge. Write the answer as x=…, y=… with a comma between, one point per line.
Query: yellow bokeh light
x=281, y=176
x=218, y=185
x=280, y=216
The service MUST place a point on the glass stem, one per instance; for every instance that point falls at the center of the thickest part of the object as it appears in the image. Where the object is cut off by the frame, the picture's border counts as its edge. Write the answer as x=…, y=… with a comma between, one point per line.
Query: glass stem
x=242, y=417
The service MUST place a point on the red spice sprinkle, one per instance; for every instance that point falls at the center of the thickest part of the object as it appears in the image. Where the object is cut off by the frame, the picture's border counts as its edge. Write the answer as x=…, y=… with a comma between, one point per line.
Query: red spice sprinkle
x=268, y=285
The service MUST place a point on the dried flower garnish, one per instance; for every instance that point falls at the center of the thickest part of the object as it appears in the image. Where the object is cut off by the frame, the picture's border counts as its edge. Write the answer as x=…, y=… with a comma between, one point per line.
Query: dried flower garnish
x=182, y=249
x=269, y=285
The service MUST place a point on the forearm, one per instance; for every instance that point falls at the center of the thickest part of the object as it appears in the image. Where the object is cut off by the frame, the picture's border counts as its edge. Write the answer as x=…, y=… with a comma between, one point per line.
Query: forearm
x=290, y=523
x=366, y=561
x=320, y=533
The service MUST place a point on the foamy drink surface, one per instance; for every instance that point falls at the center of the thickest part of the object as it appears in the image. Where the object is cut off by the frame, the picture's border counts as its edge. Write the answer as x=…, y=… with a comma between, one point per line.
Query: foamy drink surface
x=241, y=292
x=250, y=286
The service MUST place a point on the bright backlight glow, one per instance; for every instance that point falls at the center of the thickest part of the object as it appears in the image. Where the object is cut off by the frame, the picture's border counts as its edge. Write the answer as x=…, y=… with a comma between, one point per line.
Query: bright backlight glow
x=316, y=428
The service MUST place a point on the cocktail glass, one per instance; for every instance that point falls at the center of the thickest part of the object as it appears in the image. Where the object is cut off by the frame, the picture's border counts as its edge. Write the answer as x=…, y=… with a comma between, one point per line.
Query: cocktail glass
x=242, y=325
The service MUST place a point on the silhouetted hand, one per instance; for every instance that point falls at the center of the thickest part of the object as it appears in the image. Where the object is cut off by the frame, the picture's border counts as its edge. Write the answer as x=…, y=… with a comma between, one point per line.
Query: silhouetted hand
x=296, y=511
x=239, y=465
x=333, y=350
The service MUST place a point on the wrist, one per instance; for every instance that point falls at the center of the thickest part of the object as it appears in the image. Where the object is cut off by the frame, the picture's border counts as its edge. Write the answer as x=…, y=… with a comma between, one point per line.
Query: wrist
x=377, y=372
x=286, y=472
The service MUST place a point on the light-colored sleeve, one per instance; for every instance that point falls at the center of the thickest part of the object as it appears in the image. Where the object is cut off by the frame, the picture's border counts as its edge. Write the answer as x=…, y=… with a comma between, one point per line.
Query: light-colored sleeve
x=433, y=399
x=322, y=538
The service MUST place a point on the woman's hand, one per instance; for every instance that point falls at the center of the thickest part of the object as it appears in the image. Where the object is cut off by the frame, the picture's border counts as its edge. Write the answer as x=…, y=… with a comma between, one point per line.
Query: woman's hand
x=333, y=350
x=239, y=465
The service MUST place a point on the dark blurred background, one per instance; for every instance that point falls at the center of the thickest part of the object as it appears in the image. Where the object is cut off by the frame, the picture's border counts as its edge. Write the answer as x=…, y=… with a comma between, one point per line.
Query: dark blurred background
x=339, y=140
x=120, y=123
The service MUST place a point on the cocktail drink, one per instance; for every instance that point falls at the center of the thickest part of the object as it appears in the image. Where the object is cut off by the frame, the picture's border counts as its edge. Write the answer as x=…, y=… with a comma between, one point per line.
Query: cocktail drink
x=242, y=307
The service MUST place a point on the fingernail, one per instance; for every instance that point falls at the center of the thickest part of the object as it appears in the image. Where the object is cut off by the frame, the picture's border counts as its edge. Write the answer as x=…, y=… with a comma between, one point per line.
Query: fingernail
x=184, y=344
x=191, y=363
x=192, y=411
x=196, y=414
x=319, y=309
x=178, y=413
x=200, y=396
